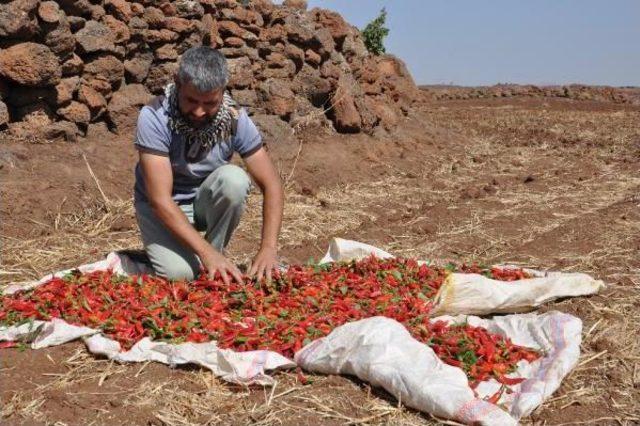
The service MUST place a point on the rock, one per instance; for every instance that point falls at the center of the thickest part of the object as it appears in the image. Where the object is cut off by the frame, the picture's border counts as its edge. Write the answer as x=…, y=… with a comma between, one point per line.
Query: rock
x=238, y=52
x=121, y=9
x=188, y=9
x=4, y=114
x=76, y=112
x=137, y=26
x=296, y=54
x=278, y=98
x=123, y=109
x=353, y=47
x=344, y=114
x=159, y=36
x=333, y=22
x=49, y=12
x=280, y=73
x=107, y=67
x=61, y=40
x=93, y=99
x=233, y=42
x=312, y=58
x=325, y=42
x=137, y=9
x=119, y=29
x=210, y=34
x=72, y=66
x=168, y=9
x=137, y=68
x=263, y=7
x=246, y=17
x=154, y=17
x=64, y=130
x=76, y=7
x=193, y=40
x=30, y=64
x=240, y=72
x=295, y=4
x=97, y=12
x=66, y=89
x=76, y=23
x=95, y=37
x=299, y=31
x=16, y=20
x=274, y=34
x=27, y=6
x=310, y=84
x=167, y=52
x=100, y=84
x=161, y=75
x=232, y=29
x=180, y=25
x=246, y=98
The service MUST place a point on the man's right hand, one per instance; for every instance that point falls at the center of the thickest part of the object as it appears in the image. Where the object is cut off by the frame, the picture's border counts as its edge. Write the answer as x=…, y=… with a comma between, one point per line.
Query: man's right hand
x=213, y=261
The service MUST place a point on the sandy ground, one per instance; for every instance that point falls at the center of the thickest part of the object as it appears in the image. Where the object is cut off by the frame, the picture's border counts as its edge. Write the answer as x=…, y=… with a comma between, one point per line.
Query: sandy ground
x=550, y=184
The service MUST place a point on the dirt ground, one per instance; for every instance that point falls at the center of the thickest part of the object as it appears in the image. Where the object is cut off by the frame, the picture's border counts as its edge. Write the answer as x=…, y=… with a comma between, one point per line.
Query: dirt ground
x=547, y=183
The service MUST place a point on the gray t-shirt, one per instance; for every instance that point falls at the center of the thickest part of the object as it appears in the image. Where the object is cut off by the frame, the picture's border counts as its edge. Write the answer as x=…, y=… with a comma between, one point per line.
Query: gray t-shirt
x=153, y=135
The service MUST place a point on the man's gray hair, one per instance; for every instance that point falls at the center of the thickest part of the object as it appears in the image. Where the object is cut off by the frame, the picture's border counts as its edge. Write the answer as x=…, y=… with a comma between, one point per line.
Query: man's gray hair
x=204, y=67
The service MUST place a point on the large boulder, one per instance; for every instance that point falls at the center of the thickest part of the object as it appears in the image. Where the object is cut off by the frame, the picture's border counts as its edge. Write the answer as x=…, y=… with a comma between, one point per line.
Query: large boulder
x=66, y=89
x=240, y=72
x=277, y=97
x=332, y=21
x=75, y=112
x=106, y=67
x=30, y=64
x=344, y=113
x=123, y=109
x=160, y=75
x=49, y=12
x=95, y=37
x=137, y=68
x=17, y=19
x=93, y=99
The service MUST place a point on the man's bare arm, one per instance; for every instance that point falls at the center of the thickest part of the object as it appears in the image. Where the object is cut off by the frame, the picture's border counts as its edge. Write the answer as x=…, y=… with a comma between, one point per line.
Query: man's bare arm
x=158, y=179
x=266, y=177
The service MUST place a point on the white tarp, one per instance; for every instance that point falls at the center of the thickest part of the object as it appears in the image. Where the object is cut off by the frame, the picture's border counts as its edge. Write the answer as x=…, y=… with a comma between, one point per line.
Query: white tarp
x=382, y=352
x=378, y=350
x=478, y=295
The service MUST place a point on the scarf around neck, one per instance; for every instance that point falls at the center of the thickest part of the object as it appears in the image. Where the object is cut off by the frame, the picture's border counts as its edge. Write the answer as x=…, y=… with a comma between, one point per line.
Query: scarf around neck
x=200, y=140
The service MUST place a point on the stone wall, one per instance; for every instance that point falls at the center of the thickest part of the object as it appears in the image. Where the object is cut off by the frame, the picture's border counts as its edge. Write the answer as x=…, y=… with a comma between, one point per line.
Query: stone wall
x=67, y=64
x=577, y=92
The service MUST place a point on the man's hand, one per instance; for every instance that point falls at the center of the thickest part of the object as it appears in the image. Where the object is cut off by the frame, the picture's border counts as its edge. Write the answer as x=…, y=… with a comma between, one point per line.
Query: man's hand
x=213, y=261
x=264, y=263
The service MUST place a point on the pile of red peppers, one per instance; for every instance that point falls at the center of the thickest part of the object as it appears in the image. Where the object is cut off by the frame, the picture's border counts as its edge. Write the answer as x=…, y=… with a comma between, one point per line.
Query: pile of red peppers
x=300, y=304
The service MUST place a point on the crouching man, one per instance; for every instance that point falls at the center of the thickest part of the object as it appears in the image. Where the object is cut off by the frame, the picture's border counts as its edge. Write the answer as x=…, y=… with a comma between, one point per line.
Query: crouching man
x=184, y=182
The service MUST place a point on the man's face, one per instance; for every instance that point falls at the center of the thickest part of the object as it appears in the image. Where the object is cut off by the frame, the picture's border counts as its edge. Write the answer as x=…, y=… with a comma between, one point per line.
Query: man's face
x=198, y=107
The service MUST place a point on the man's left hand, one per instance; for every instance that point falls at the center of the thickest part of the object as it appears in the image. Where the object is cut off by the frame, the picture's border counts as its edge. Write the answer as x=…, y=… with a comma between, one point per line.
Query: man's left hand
x=264, y=263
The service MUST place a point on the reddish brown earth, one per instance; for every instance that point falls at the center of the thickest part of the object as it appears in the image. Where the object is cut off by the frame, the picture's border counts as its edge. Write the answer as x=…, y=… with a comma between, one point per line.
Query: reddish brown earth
x=548, y=183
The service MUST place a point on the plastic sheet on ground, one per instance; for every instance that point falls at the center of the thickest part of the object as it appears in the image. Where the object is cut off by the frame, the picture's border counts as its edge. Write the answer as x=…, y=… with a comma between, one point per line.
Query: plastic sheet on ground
x=381, y=351
x=475, y=294
x=378, y=350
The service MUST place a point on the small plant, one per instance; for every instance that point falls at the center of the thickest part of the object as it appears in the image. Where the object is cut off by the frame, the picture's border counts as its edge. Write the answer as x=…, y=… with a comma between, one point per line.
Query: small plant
x=375, y=32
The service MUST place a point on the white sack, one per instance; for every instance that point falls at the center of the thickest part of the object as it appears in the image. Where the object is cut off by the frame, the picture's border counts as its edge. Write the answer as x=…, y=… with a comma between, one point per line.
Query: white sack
x=381, y=351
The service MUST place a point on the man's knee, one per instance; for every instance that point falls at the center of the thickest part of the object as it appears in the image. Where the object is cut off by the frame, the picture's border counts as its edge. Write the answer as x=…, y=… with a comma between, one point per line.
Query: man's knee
x=171, y=265
x=232, y=183
x=176, y=271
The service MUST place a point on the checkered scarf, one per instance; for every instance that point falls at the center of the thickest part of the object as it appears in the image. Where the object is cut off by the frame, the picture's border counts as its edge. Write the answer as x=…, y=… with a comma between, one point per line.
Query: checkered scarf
x=199, y=141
